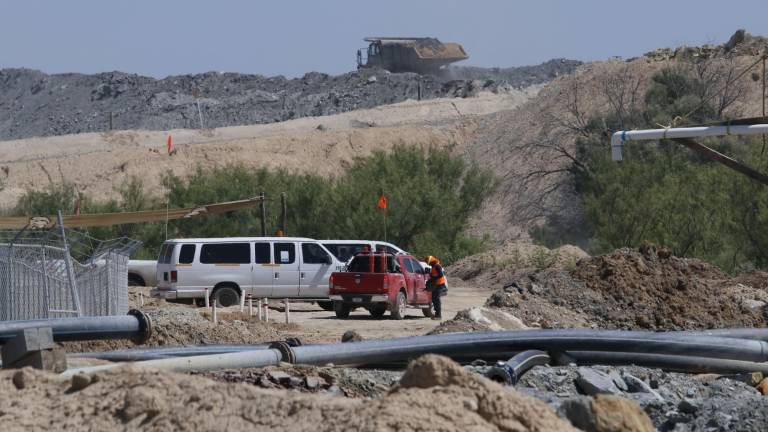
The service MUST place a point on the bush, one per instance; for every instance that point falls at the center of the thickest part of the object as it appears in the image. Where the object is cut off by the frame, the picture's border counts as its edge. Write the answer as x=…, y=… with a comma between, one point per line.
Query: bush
x=431, y=195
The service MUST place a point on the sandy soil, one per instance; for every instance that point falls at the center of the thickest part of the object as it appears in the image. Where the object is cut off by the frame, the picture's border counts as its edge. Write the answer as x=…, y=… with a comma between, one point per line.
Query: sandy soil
x=323, y=325
x=99, y=162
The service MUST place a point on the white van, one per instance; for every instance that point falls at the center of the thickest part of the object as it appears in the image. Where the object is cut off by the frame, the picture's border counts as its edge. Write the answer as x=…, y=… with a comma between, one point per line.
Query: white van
x=264, y=267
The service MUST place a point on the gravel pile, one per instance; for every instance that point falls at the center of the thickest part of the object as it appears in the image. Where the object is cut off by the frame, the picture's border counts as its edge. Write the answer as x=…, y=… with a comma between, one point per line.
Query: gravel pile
x=673, y=401
x=33, y=103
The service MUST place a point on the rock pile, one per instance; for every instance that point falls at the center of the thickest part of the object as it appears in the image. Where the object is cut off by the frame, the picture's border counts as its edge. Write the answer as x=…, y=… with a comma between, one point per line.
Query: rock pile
x=33, y=103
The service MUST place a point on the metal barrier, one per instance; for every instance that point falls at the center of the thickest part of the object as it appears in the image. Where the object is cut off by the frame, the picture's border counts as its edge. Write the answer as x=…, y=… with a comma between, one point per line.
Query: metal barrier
x=57, y=273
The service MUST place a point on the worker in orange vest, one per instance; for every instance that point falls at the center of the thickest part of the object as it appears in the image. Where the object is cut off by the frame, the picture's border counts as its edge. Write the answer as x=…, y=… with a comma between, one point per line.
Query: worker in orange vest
x=437, y=284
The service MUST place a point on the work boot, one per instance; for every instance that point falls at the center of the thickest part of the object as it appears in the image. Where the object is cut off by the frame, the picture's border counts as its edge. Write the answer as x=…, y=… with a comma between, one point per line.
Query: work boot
x=437, y=317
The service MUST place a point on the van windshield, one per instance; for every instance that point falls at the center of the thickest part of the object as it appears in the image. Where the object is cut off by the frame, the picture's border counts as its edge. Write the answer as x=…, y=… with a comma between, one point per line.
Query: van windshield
x=343, y=252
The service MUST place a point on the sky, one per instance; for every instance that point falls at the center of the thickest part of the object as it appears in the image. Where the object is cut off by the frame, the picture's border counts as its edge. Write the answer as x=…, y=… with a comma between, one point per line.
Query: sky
x=170, y=37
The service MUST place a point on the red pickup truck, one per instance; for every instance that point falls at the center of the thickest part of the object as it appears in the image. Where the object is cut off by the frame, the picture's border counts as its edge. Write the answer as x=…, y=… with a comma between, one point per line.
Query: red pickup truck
x=381, y=282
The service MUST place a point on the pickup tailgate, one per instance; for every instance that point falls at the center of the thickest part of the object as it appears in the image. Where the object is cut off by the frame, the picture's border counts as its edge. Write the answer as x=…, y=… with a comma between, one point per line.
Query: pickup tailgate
x=358, y=283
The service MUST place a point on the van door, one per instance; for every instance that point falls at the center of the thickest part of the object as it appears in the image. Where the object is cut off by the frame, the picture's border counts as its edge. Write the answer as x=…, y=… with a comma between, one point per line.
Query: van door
x=164, y=265
x=263, y=272
x=285, y=275
x=316, y=269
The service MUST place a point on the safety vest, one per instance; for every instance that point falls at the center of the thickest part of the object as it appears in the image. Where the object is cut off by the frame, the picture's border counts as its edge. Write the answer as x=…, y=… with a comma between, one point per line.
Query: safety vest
x=437, y=275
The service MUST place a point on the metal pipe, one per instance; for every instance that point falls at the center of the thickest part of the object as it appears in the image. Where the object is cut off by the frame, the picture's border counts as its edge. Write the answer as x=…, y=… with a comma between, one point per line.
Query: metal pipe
x=135, y=326
x=142, y=354
x=618, y=138
x=511, y=371
x=673, y=363
x=235, y=360
x=383, y=351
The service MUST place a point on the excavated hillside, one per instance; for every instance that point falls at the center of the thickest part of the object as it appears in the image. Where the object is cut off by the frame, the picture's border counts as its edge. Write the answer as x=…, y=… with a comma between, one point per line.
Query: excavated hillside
x=525, y=136
x=33, y=103
x=532, y=146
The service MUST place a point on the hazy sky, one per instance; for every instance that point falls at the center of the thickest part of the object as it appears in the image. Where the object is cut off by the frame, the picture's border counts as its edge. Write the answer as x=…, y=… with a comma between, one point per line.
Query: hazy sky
x=166, y=37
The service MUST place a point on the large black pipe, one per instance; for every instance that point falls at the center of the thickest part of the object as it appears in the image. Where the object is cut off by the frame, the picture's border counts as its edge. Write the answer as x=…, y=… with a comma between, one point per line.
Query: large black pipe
x=672, y=363
x=135, y=325
x=398, y=349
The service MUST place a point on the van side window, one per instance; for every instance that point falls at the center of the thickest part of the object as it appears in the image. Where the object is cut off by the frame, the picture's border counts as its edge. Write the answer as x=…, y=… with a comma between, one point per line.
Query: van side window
x=285, y=253
x=187, y=254
x=312, y=253
x=225, y=253
x=262, y=253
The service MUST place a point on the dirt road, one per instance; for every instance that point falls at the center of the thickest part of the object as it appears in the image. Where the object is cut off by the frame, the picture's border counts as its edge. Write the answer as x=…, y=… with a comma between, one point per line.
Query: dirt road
x=319, y=325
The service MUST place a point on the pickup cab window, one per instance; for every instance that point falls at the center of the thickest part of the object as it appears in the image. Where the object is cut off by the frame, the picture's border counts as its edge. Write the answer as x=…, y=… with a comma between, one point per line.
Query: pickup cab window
x=361, y=264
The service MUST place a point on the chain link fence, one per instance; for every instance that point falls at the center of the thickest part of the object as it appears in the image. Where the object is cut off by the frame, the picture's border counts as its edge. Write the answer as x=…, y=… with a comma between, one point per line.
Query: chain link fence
x=56, y=273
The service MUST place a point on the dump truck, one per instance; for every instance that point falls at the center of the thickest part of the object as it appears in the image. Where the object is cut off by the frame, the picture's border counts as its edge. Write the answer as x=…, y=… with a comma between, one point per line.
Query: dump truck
x=381, y=282
x=422, y=55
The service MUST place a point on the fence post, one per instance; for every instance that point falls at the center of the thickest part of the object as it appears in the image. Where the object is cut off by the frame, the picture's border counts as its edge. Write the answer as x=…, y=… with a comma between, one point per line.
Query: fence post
x=266, y=310
x=258, y=304
x=242, y=303
x=207, y=299
x=250, y=308
x=68, y=265
x=287, y=311
x=214, y=313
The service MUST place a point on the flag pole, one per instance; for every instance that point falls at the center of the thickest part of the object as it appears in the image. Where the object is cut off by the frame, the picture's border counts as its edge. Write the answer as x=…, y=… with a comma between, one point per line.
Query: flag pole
x=385, y=224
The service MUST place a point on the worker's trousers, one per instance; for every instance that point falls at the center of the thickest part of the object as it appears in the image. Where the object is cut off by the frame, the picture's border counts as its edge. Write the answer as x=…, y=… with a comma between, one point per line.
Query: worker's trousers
x=437, y=304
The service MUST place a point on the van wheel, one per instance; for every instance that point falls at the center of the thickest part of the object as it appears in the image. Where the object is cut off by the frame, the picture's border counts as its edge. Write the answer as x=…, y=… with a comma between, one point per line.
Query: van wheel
x=428, y=312
x=378, y=310
x=226, y=296
x=342, y=310
x=325, y=305
x=398, y=308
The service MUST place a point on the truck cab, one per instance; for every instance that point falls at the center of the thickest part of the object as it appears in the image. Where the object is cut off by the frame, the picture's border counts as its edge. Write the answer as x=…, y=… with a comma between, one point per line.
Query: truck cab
x=381, y=282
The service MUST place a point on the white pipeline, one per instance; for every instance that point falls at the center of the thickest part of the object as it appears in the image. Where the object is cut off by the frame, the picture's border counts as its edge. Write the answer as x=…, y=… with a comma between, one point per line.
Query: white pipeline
x=619, y=138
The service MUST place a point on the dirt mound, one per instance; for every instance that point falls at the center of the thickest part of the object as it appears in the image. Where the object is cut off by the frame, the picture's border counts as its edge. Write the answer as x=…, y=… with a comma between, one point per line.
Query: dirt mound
x=645, y=288
x=434, y=394
x=177, y=326
x=479, y=319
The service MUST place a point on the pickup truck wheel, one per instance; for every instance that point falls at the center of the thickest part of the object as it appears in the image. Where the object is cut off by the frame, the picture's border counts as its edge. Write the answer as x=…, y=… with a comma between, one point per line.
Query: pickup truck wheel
x=428, y=312
x=378, y=310
x=398, y=308
x=325, y=305
x=342, y=310
x=226, y=296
